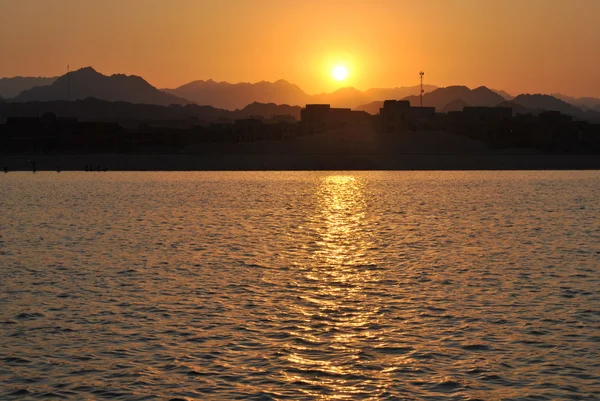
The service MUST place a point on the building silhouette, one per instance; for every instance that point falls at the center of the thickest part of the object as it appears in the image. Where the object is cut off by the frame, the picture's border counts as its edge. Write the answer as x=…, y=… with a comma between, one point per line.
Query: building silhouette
x=318, y=118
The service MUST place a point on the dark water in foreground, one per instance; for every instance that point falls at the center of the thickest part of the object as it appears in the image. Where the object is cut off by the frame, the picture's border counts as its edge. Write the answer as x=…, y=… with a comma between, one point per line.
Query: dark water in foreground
x=381, y=285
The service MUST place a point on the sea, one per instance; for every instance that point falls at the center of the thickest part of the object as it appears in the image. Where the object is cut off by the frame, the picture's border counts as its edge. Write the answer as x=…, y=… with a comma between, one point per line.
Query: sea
x=345, y=285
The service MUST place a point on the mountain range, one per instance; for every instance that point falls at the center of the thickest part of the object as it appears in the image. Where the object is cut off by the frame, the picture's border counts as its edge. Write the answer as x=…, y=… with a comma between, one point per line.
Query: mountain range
x=533, y=104
x=92, y=109
x=546, y=102
x=235, y=96
x=455, y=98
x=439, y=98
x=451, y=98
x=585, y=103
x=11, y=87
x=87, y=82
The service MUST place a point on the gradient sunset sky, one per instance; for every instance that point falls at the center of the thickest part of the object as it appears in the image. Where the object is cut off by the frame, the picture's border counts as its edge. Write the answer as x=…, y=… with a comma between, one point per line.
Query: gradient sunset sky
x=520, y=46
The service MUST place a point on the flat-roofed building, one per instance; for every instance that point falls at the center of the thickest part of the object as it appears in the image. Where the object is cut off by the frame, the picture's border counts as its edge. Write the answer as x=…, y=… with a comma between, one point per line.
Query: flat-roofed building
x=318, y=118
x=398, y=116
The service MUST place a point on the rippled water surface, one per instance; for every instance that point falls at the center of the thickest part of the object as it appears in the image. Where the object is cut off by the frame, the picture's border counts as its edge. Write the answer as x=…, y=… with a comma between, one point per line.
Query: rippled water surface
x=379, y=285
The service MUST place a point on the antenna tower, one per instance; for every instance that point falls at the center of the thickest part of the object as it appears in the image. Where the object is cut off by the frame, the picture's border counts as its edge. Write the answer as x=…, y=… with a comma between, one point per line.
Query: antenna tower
x=422, y=74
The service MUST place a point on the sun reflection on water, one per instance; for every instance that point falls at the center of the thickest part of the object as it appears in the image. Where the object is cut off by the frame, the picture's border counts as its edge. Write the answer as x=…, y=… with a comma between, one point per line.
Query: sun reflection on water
x=338, y=316
x=339, y=222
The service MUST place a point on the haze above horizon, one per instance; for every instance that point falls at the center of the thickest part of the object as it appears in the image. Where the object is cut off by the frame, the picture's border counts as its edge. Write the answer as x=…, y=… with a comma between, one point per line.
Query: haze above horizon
x=545, y=46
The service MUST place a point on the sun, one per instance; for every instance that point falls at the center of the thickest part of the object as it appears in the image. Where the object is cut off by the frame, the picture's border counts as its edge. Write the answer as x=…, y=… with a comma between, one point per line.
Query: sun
x=340, y=73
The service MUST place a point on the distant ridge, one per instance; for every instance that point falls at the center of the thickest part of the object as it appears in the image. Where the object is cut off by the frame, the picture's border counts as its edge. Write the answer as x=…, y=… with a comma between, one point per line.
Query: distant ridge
x=11, y=87
x=441, y=97
x=233, y=96
x=92, y=109
x=455, y=105
x=585, y=103
x=536, y=104
x=371, y=108
x=445, y=99
x=504, y=94
x=87, y=82
x=546, y=103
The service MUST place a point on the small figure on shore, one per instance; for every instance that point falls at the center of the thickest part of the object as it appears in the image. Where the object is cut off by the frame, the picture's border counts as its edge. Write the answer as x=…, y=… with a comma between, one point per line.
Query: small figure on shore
x=5, y=169
x=33, y=167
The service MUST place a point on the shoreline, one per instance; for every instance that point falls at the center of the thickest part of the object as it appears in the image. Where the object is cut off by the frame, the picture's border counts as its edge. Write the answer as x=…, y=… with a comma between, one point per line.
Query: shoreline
x=299, y=162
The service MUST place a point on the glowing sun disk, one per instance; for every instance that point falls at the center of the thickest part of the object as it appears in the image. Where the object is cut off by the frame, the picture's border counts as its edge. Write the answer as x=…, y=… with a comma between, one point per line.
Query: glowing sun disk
x=340, y=73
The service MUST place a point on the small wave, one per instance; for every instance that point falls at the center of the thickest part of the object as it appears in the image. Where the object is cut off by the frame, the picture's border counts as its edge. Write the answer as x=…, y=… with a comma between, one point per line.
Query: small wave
x=16, y=360
x=394, y=350
x=29, y=316
x=447, y=386
x=52, y=395
x=22, y=392
x=476, y=347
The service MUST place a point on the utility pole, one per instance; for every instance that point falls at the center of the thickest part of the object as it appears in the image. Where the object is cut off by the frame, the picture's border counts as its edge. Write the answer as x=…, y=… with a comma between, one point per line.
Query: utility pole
x=68, y=82
x=422, y=74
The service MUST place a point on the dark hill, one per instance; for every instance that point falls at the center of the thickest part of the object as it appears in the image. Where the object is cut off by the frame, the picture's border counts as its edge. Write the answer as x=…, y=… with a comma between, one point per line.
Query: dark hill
x=396, y=93
x=92, y=109
x=269, y=110
x=371, y=108
x=584, y=103
x=235, y=96
x=535, y=104
x=519, y=109
x=11, y=87
x=87, y=82
x=546, y=102
x=440, y=97
x=504, y=94
x=455, y=105
x=344, y=97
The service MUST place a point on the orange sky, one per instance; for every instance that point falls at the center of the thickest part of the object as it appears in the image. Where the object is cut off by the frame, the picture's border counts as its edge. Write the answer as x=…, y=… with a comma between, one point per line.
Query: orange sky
x=516, y=45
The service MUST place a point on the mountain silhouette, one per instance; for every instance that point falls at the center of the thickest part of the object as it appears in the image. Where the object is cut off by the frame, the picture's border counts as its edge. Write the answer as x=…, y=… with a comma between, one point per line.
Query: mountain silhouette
x=547, y=103
x=87, y=82
x=440, y=97
x=397, y=93
x=235, y=96
x=344, y=97
x=353, y=98
x=11, y=87
x=371, y=108
x=455, y=105
x=452, y=98
x=504, y=94
x=584, y=103
x=92, y=109
x=536, y=104
x=519, y=109
x=269, y=110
